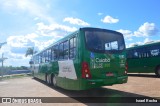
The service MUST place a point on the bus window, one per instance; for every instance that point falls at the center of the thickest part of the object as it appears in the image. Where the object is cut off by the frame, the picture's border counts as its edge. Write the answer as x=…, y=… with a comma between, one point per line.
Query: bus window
x=46, y=56
x=55, y=52
x=49, y=55
x=72, y=47
x=114, y=45
x=39, y=57
x=61, y=55
x=101, y=41
x=35, y=61
x=111, y=45
x=107, y=46
x=43, y=57
x=66, y=46
x=52, y=54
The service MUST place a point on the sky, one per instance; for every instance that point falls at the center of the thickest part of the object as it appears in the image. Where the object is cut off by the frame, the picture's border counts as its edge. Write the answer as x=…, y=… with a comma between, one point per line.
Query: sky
x=39, y=23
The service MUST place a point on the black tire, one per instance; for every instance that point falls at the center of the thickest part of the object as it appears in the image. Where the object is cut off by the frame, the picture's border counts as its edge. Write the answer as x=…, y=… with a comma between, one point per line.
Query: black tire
x=157, y=71
x=53, y=81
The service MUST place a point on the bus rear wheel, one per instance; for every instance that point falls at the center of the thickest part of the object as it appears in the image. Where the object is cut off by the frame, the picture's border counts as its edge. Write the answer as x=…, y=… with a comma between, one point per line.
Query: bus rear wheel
x=158, y=71
x=54, y=82
x=48, y=79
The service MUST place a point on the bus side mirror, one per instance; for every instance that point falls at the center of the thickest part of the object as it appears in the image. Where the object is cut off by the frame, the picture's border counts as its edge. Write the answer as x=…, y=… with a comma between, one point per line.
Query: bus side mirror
x=31, y=62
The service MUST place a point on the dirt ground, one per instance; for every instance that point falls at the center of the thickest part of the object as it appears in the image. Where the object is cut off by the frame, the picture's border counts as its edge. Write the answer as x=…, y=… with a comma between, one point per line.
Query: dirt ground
x=137, y=86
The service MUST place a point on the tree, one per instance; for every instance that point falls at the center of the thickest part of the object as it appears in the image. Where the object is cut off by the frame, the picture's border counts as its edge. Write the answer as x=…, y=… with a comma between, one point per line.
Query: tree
x=30, y=51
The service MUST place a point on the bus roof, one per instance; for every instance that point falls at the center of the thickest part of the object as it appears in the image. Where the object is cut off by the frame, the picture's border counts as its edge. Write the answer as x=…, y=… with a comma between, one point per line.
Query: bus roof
x=145, y=45
x=98, y=29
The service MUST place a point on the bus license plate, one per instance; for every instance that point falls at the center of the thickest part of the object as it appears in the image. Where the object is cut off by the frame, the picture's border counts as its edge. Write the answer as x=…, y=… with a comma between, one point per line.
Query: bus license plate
x=110, y=74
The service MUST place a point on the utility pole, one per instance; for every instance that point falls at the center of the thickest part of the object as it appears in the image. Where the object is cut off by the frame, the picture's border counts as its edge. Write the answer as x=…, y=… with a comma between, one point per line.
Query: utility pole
x=2, y=59
x=2, y=68
x=2, y=65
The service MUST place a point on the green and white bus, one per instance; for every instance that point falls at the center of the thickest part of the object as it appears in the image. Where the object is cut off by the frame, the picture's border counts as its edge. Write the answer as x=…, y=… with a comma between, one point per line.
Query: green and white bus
x=144, y=59
x=87, y=58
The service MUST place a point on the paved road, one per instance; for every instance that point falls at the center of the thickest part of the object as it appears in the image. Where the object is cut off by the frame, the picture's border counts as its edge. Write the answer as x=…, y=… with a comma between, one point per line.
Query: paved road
x=137, y=86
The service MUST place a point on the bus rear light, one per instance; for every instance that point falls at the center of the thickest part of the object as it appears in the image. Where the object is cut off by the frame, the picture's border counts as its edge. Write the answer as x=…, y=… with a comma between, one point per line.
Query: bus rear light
x=85, y=70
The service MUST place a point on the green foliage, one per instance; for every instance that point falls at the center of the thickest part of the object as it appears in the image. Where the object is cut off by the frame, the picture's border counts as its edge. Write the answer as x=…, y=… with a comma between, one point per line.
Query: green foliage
x=29, y=51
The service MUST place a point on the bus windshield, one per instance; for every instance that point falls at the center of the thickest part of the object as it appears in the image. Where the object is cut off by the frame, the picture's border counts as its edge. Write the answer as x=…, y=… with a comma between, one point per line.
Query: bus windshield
x=103, y=41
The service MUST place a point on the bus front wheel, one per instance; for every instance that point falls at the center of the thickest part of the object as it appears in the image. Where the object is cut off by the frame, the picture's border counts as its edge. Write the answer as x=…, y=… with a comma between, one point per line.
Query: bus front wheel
x=158, y=71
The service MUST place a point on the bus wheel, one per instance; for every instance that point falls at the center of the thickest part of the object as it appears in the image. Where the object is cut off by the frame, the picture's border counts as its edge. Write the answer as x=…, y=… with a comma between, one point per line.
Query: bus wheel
x=48, y=79
x=158, y=71
x=54, y=82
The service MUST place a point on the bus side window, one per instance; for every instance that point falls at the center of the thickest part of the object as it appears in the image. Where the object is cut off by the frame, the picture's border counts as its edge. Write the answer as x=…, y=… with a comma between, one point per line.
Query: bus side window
x=49, y=55
x=36, y=61
x=129, y=54
x=55, y=52
x=66, y=47
x=107, y=46
x=52, y=53
x=40, y=58
x=72, y=48
x=46, y=55
x=43, y=57
x=139, y=55
x=61, y=55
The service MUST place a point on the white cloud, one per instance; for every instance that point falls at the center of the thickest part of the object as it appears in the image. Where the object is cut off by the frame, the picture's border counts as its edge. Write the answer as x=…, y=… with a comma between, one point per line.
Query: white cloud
x=75, y=21
x=146, y=40
x=51, y=33
x=20, y=41
x=126, y=33
x=147, y=29
x=109, y=19
x=133, y=44
x=54, y=27
x=29, y=6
